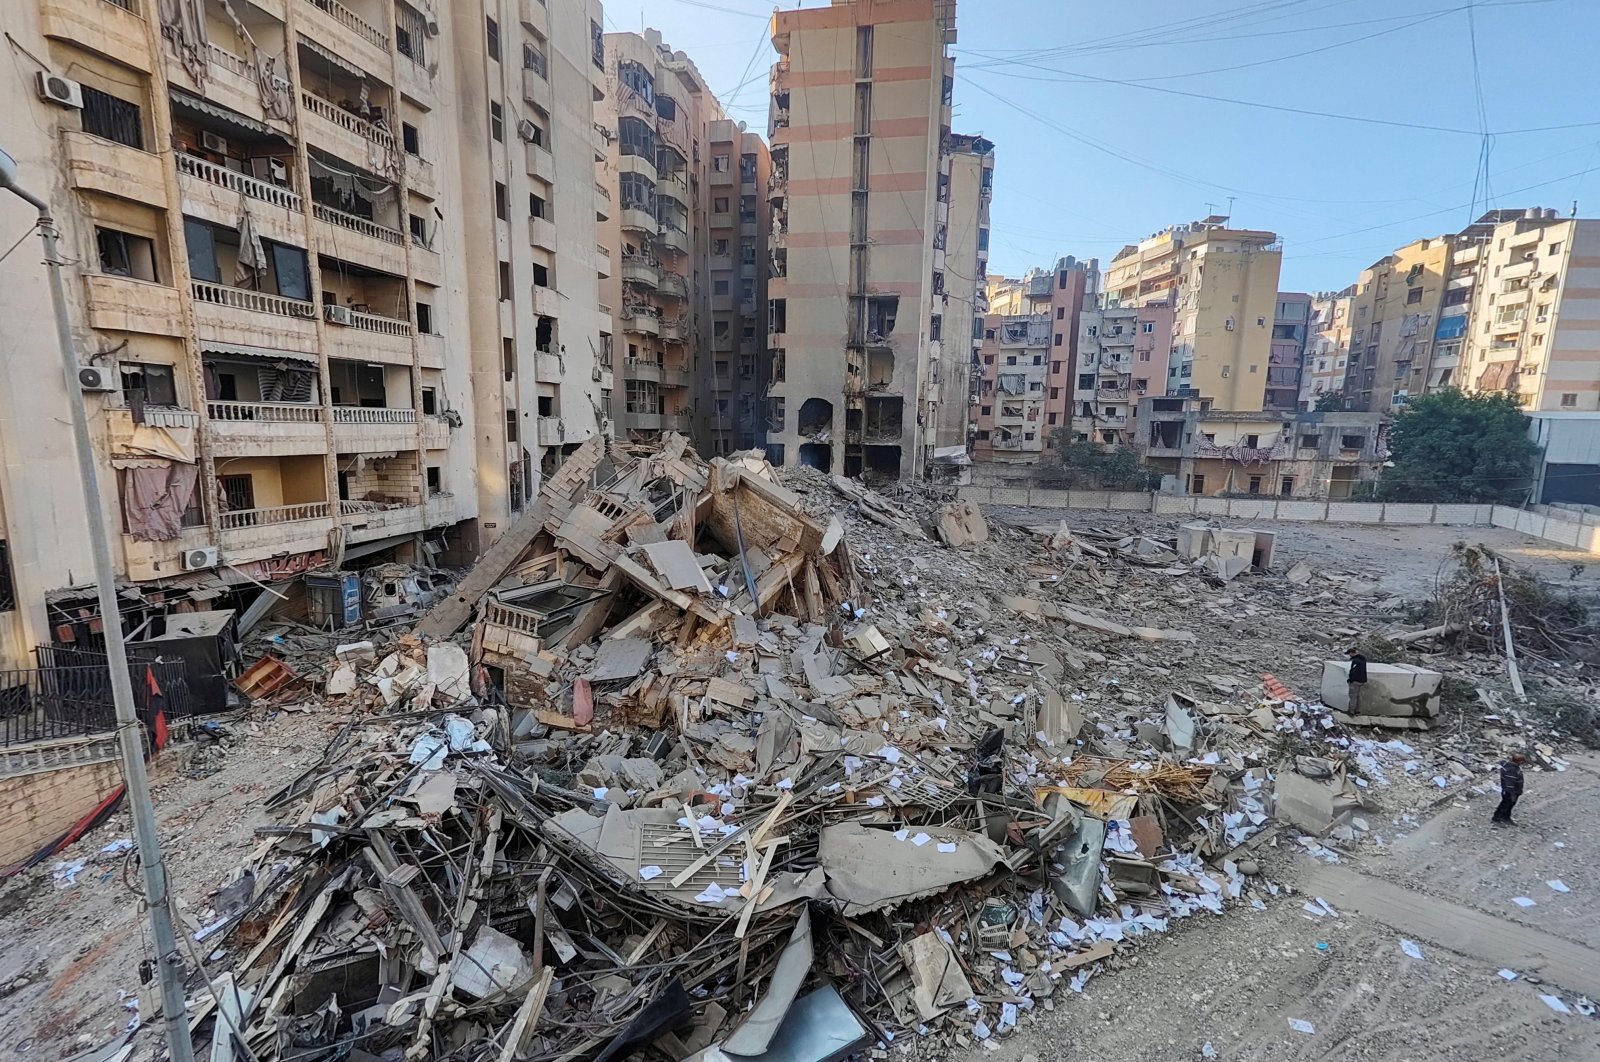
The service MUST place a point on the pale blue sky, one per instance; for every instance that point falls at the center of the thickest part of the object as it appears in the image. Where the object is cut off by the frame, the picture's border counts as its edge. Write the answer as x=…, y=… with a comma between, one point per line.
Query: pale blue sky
x=1085, y=165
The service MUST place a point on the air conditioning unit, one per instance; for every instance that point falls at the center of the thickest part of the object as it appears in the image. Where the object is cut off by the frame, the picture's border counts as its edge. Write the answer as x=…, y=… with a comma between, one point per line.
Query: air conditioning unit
x=339, y=315
x=594, y=374
x=200, y=558
x=431, y=26
x=528, y=131
x=59, y=90
x=94, y=378
x=217, y=145
x=1542, y=318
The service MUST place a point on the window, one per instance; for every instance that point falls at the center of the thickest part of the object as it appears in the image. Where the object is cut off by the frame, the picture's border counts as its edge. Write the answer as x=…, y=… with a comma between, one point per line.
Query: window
x=425, y=318
x=505, y=281
x=1261, y=322
x=430, y=400
x=409, y=138
x=1413, y=296
x=719, y=205
x=533, y=58
x=1350, y=442
x=719, y=247
x=1061, y=313
x=508, y=357
x=1308, y=441
x=1011, y=359
x=435, y=482
x=1144, y=355
x=1255, y=485
x=150, y=385
x=536, y=206
x=1252, y=442
x=1197, y=484
x=667, y=108
x=983, y=239
x=122, y=254
x=719, y=164
x=1058, y=339
x=635, y=77
x=8, y=597
x=984, y=411
x=493, y=38
x=497, y=121
x=511, y=425
x=1038, y=359
x=635, y=137
x=419, y=229
x=500, y=200
x=1141, y=385
x=116, y=119
x=1555, y=248
x=1055, y=367
x=1569, y=399
x=1147, y=327
x=409, y=33
x=719, y=287
x=1286, y=486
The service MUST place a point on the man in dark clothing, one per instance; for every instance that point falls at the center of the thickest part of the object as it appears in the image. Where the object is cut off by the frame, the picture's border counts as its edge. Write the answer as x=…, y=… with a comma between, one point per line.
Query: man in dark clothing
x=1510, y=788
x=1356, y=680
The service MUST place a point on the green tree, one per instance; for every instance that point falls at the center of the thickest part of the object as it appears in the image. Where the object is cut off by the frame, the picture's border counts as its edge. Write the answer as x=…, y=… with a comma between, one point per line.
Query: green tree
x=1455, y=447
x=1089, y=465
x=1330, y=402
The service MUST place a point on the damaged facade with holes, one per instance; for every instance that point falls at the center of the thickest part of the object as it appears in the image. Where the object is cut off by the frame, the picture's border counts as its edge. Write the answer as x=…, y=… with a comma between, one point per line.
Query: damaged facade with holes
x=1307, y=456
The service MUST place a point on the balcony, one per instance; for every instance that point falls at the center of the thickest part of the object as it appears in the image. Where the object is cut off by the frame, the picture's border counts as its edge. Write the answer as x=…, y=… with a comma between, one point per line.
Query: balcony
x=422, y=176
x=537, y=90
x=673, y=186
x=673, y=329
x=372, y=520
x=365, y=44
x=255, y=317
x=546, y=301
x=719, y=219
x=721, y=176
x=365, y=429
x=255, y=534
x=602, y=202
x=548, y=366
x=641, y=271
x=113, y=29
x=240, y=183
x=95, y=164
x=541, y=163
x=602, y=264
x=266, y=429
x=671, y=378
x=443, y=509
x=121, y=429
x=542, y=234
x=122, y=304
x=671, y=239
x=552, y=431
x=637, y=219
x=640, y=320
x=435, y=432
x=353, y=131
x=276, y=514
x=642, y=369
x=376, y=245
x=380, y=335
x=674, y=285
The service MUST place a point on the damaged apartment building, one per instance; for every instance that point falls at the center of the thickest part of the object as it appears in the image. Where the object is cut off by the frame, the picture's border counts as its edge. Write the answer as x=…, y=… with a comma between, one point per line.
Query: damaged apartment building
x=858, y=301
x=689, y=229
x=264, y=210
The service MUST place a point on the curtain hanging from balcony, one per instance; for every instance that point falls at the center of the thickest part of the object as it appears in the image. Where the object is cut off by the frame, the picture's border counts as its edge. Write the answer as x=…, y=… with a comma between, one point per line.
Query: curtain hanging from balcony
x=252, y=260
x=183, y=24
x=150, y=441
x=155, y=499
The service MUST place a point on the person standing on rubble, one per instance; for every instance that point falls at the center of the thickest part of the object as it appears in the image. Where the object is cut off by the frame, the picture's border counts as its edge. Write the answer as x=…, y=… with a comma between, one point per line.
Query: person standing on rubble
x=1356, y=680
x=1510, y=788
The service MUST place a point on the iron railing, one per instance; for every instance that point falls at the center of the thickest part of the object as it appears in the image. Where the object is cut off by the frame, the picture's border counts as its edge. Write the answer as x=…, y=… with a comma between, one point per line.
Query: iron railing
x=69, y=694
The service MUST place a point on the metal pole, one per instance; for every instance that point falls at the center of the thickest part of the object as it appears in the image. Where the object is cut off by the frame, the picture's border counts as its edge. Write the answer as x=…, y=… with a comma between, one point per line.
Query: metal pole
x=169, y=963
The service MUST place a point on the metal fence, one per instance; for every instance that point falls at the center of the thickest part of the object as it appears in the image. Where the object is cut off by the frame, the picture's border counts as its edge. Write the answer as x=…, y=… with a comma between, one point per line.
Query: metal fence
x=69, y=695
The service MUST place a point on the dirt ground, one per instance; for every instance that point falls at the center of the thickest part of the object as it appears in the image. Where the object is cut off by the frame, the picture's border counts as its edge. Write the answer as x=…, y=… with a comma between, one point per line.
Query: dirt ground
x=1444, y=879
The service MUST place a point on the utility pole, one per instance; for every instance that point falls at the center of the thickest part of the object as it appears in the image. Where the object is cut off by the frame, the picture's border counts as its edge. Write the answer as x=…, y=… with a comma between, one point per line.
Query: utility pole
x=169, y=963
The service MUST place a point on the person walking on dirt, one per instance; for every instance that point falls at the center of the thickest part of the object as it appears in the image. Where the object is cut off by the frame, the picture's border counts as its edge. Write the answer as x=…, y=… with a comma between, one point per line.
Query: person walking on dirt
x=1356, y=680
x=1510, y=788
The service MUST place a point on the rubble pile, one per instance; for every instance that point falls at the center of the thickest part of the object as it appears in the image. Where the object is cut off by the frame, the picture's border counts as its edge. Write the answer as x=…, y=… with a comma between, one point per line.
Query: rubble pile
x=718, y=769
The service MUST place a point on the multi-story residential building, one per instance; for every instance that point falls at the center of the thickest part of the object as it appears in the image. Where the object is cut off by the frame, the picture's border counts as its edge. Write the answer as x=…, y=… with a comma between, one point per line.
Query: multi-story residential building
x=1396, y=307
x=1222, y=284
x=966, y=285
x=659, y=170
x=1123, y=354
x=860, y=128
x=1200, y=449
x=279, y=221
x=1290, y=326
x=1027, y=358
x=1535, y=321
x=740, y=264
x=1327, y=347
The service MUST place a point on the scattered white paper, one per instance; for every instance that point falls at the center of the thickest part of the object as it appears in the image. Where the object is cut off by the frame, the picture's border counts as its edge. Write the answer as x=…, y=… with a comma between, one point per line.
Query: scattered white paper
x=1008, y=1017
x=920, y=839
x=1555, y=1004
x=126, y=845
x=1557, y=885
x=901, y=835
x=650, y=873
x=1410, y=948
x=786, y=783
x=1300, y=1025
x=980, y=1029
x=713, y=894
x=947, y=846
x=600, y=792
x=1509, y=975
x=1207, y=1051
x=1523, y=901
x=874, y=801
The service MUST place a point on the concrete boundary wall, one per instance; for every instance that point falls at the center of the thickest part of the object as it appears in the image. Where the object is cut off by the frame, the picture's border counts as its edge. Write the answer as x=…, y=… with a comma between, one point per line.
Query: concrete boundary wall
x=1573, y=530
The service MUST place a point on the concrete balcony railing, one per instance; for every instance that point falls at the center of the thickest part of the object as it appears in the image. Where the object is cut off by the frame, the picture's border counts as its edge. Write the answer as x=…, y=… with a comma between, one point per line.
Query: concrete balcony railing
x=277, y=514
x=233, y=180
x=552, y=431
x=350, y=20
x=672, y=239
x=641, y=321
x=369, y=322
x=541, y=163
x=256, y=301
x=673, y=329
x=641, y=369
x=639, y=220
x=123, y=304
x=640, y=271
x=674, y=187
x=110, y=27
x=435, y=432
x=345, y=120
x=602, y=202
x=542, y=233
x=370, y=415
x=546, y=301
x=674, y=285
x=358, y=224
x=264, y=412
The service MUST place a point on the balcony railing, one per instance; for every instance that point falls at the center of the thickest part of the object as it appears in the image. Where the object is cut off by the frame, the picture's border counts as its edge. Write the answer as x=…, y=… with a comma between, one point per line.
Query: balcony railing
x=345, y=17
x=370, y=415
x=277, y=514
x=245, y=299
x=171, y=417
x=244, y=184
x=368, y=322
x=265, y=412
x=357, y=224
x=344, y=119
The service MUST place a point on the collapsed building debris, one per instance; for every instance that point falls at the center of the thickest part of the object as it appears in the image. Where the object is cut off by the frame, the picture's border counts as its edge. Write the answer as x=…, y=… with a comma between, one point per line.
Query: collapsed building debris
x=706, y=774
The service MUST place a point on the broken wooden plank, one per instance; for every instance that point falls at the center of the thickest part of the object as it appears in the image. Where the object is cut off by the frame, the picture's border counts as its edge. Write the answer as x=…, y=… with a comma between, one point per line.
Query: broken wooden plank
x=527, y=1016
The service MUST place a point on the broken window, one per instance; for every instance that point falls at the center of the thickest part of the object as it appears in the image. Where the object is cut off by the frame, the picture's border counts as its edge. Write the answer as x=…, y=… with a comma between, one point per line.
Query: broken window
x=775, y=413
x=881, y=313
x=148, y=385
x=123, y=254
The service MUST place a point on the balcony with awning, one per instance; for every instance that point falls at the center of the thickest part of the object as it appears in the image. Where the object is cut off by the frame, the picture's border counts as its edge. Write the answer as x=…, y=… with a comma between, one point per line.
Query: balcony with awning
x=262, y=402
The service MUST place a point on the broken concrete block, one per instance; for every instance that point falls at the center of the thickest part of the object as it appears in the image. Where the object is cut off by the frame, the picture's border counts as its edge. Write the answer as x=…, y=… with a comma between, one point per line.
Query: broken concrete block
x=962, y=524
x=1396, y=695
x=1314, y=806
x=1194, y=541
x=449, y=671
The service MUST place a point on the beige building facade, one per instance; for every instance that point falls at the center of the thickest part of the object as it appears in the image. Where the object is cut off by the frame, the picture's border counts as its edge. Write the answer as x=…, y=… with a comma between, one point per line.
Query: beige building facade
x=304, y=290
x=1396, y=306
x=1222, y=284
x=1327, y=346
x=861, y=114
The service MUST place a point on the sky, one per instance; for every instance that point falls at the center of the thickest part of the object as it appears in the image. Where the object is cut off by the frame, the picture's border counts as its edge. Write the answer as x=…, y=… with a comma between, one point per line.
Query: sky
x=1103, y=138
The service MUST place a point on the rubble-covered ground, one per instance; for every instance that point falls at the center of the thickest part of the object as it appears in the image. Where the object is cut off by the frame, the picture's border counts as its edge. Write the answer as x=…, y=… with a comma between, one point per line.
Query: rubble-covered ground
x=1142, y=697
